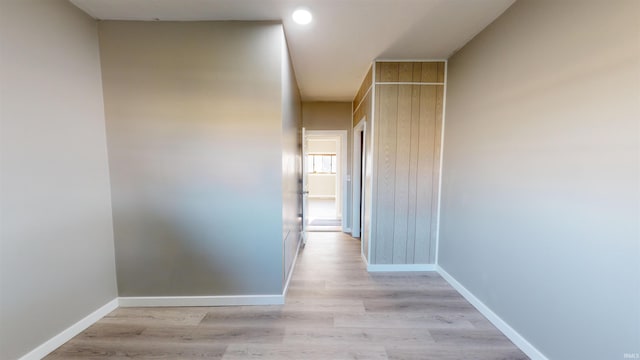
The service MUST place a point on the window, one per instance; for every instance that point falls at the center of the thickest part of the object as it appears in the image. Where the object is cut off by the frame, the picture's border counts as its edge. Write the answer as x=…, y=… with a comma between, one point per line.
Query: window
x=321, y=164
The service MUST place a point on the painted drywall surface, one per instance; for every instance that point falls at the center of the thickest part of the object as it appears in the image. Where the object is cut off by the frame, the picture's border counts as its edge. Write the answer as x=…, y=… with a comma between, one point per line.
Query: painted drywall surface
x=194, y=128
x=56, y=243
x=291, y=160
x=322, y=146
x=326, y=115
x=332, y=116
x=322, y=185
x=540, y=180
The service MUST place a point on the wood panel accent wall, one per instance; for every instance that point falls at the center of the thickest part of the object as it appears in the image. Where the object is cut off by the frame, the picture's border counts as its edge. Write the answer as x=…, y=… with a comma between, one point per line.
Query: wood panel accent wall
x=364, y=88
x=408, y=126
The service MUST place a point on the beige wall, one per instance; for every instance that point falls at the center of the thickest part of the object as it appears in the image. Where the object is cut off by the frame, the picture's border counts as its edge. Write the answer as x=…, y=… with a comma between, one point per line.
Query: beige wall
x=322, y=146
x=326, y=115
x=322, y=185
x=56, y=238
x=197, y=143
x=540, y=201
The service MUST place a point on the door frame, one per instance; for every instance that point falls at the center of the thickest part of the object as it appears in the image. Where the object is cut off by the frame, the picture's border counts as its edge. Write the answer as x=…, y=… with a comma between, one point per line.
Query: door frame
x=342, y=178
x=357, y=176
x=304, y=191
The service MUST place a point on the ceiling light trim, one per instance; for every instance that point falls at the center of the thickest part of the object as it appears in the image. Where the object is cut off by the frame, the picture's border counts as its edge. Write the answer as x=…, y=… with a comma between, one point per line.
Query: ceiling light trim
x=302, y=16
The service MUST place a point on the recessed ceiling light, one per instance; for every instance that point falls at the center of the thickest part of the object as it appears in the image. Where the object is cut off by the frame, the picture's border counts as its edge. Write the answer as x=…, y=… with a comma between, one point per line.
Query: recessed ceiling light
x=302, y=16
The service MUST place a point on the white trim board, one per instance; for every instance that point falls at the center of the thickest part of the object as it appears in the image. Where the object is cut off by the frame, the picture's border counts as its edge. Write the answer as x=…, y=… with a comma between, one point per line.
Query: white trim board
x=357, y=178
x=408, y=60
x=65, y=335
x=496, y=320
x=444, y=121
x=361, y=101
x=364, y=259
x=368, y=203
x=233, y=300
x=400, y=267
x=322, y=197
x=293, y=266
x=409, y=83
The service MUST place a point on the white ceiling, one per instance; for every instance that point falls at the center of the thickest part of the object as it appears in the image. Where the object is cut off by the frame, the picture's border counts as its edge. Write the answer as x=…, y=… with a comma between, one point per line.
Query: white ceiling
x=333, y=53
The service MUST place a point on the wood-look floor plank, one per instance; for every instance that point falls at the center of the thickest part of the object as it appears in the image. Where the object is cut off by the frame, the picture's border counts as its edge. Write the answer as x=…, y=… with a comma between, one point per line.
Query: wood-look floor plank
x=334, y=310
x=220, y=335
x=335, y=306
x=269, y=318
x=358, y=336
x=470, y=337
x=369, y=293
x=405, y=321
x=82, y=349
x=105, y=330
x=440, y=352
x=306, y=352
x=157, y=315
x=443, y=306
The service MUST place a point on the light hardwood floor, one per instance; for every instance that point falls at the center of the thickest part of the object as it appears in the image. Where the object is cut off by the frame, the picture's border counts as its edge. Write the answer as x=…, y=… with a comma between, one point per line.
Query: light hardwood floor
x=334, y=310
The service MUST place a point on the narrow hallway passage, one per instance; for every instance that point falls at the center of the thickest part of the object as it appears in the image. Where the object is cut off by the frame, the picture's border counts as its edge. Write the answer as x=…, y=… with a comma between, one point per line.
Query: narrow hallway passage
x=334, y=310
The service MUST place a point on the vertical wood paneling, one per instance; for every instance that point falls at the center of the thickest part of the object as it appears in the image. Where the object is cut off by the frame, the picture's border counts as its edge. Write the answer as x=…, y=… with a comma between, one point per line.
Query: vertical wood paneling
x=425, y=172
x=441, y=66
x=429, y=72
x=403, y=153
x=387, y=110
x=362, y=91
x=407, y=154
x=437, y=147
x=413, y=163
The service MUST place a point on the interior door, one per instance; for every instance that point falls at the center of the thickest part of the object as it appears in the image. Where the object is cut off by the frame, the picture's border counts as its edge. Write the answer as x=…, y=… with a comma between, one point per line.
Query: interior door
x=305, y=188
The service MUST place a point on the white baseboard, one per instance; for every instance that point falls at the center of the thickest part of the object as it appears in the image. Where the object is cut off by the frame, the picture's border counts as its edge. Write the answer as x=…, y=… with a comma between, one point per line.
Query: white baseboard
x=496, y=320
x=322, y=197
x=396, y=267
x=400, y=267
x=233, y=300
x=47, y=347
x=293, y=266
x=364, y=259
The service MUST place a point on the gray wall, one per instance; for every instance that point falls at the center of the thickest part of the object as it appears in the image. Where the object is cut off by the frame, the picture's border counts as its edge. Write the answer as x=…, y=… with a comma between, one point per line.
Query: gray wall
x=326, y=115
x=541, y=174
x=56, y=238
x=291, y=160
x=194, y=125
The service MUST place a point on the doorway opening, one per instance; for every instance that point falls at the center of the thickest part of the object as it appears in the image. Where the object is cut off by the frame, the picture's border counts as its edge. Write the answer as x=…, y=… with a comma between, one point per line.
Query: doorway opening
x=358, y=178
x=325, y=172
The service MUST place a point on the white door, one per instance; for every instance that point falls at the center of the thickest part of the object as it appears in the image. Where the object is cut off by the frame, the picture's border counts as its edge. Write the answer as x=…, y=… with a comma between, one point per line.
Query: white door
x=305, y=188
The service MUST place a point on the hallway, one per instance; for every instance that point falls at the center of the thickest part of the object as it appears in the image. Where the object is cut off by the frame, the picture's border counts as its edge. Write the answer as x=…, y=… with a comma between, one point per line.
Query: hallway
x=334, y=310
